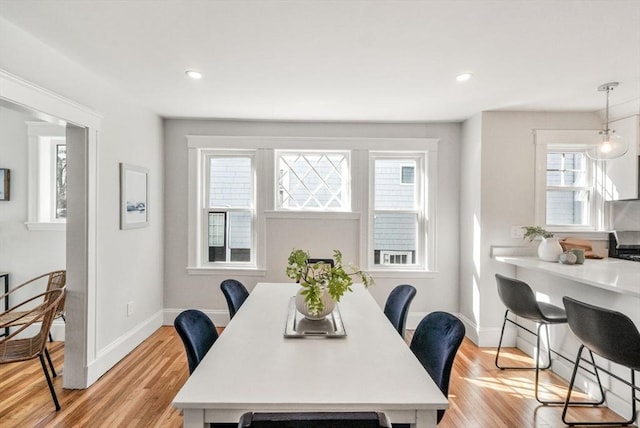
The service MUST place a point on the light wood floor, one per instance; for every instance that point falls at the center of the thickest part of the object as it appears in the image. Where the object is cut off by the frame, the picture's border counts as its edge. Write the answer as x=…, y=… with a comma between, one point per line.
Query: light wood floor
x=138, y=392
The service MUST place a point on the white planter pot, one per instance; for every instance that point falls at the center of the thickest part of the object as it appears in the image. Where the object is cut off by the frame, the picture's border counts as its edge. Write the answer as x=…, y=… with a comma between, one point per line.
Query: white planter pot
x=549, y=249
x=303, y=308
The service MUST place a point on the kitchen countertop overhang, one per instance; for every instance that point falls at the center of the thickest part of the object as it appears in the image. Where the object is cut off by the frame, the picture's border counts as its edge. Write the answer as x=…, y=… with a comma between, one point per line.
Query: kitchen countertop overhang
x=620, y=276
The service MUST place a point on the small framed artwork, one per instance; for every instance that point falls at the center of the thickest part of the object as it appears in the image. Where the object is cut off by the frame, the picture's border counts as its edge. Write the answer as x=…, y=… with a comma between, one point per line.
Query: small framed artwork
x=4, y=184
x=134, y=196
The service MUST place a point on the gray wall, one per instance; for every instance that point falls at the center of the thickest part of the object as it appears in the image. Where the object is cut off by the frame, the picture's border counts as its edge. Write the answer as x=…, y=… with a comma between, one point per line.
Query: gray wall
x=438, y=291
x=498, y=172
x=129, y=262
x=24, y=254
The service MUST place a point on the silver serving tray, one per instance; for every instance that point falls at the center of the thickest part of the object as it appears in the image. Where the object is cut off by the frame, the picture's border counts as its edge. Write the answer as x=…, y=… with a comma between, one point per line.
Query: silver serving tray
x=300, y=327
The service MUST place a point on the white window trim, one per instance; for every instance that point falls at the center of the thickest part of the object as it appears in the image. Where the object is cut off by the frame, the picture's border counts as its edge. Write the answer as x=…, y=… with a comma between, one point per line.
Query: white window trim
x=426, y=181
x=197, y=213
x=206, y=155
x=567, y=140
x=35, y=132
x=264, y=148
x=346, y=184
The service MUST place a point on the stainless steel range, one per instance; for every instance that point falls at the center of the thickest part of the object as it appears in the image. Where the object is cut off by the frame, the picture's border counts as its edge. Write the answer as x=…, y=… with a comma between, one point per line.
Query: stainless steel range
x=625, y=245
x=624, y=220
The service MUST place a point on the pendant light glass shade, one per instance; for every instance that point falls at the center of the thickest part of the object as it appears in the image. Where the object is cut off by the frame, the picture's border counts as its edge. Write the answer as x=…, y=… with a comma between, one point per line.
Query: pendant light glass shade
x=611, y=144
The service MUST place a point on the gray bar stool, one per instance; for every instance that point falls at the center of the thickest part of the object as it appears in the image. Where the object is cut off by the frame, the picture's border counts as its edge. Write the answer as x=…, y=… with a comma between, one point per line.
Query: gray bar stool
x=611, y=335
x=520, y=300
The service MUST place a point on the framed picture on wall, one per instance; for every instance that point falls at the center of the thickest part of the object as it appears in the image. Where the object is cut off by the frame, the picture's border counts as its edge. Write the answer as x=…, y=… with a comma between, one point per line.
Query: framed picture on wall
x=4, y=184
x=134, y=196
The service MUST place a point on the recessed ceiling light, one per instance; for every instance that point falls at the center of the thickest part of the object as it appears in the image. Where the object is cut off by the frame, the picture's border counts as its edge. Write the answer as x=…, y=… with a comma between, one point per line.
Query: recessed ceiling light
x=463, y=77
x=193, y=74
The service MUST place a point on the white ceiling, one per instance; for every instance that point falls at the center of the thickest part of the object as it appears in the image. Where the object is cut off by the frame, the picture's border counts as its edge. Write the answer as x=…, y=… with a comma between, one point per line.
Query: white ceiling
x=369, y=60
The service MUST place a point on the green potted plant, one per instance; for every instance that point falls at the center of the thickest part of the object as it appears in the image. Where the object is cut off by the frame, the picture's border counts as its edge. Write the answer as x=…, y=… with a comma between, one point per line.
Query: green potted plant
x=322, y=285
x=532, y=232
x=549, y=249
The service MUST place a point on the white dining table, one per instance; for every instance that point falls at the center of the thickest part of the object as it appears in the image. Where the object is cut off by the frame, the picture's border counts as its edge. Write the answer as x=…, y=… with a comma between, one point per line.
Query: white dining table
x=253, y=367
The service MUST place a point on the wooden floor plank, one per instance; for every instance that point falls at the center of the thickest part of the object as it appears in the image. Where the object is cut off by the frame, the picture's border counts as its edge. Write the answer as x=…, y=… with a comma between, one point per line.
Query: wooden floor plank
x=138, y=391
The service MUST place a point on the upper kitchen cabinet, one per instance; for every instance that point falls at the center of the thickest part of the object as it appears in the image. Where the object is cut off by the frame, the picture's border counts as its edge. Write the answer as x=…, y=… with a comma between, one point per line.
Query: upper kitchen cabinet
x=622, y=172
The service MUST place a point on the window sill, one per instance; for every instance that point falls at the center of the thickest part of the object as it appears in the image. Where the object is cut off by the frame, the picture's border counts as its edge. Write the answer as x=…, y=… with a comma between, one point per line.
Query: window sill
x=231, y=271
x=61, y=227
x=401, y=274
x=317, y=215
x=592, y=235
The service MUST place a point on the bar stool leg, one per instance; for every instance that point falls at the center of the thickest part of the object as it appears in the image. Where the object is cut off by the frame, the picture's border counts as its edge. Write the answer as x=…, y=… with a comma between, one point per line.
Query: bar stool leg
x=584, y=403
x=504, y=323
x=537, y=367
x=546, y=328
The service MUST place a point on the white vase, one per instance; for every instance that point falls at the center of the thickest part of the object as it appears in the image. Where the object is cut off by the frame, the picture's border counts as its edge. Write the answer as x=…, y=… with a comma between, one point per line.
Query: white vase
x=303, y=307
x=549, y=249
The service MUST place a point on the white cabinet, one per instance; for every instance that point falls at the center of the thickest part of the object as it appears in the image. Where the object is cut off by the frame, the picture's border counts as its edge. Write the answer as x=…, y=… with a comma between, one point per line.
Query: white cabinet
x=622, y=173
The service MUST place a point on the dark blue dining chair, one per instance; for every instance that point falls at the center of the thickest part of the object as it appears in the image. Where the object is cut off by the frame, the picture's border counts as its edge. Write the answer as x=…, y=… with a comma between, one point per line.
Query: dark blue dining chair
x=236, y=293
x=198, y=334
x=435, y=343
x=329, y=262
x=397, y=306
x=314, y=420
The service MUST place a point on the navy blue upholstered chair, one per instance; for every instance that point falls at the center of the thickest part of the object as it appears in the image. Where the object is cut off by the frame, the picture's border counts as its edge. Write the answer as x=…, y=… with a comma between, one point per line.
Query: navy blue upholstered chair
x=198, y=333
x=613, y=336
x=435, y=343
x=397, y=306
x=236, y=293
x=315, y=420
x=330, y=262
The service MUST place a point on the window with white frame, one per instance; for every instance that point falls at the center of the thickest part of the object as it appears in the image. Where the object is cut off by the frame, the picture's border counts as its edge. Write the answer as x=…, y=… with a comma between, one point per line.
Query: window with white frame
x=570, y=188
x=313, y=180
x=239, y=198
x=47, y=176
x=566, y=191
x=398, y=230
x=229, y=208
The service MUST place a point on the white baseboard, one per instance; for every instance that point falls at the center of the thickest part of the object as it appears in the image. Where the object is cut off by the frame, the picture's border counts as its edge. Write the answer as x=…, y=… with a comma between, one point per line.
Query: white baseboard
x=58, y=330
x=413, y=319
x=110, y=355
x=487, y=337
x=584, y=383
x=219, y=317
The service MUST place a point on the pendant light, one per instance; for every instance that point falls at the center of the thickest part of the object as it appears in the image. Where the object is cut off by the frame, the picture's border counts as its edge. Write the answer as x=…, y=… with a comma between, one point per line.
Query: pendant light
x=611, y=145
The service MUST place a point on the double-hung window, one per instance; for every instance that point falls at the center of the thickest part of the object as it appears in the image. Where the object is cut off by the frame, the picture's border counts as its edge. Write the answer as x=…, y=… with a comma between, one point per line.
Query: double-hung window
x=376, y=204
x=570, y=188
x=399, y=224
x=566, y=190
x=229, y=209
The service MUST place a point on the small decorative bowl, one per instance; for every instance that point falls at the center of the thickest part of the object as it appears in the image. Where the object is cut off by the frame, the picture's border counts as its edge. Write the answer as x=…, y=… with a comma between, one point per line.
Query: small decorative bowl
x=568, y=258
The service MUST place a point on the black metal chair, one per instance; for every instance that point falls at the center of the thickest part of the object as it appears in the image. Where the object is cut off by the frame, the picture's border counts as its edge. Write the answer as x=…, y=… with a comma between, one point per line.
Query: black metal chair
x=611, y=335
x=315, y=420
x=435, y=343
x=198, y=334
x=236, y=293
x=520, y=300
x=397, y=306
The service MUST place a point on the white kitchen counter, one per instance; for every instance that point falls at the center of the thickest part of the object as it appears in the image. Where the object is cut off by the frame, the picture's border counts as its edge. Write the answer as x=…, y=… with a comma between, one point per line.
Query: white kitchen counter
x=620, y=276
